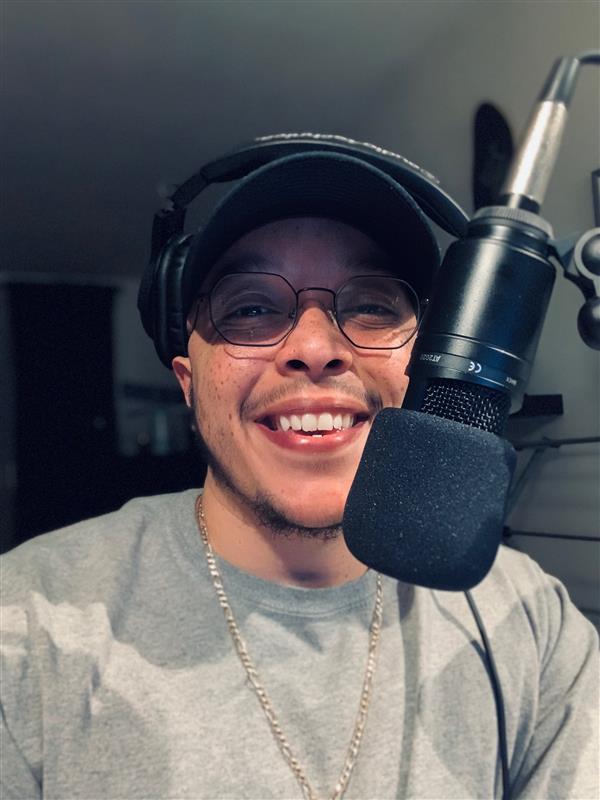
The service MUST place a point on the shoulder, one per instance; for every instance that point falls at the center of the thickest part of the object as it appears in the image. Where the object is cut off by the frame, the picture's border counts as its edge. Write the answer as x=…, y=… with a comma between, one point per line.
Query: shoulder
x=515, y=574
x=64, y=561
x=525, y=611
x=528, y=604
x=546, y=653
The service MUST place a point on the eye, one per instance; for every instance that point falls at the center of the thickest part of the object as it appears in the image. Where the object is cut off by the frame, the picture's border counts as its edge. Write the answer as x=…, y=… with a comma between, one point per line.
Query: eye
x=246, y=306
x=371, y=313
x=371, y=309
x=250, y=311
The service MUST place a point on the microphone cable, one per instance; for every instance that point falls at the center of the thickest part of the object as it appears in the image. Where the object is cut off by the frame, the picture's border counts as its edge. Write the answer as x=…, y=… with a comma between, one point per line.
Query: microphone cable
x=589, y=57
x=498, y=699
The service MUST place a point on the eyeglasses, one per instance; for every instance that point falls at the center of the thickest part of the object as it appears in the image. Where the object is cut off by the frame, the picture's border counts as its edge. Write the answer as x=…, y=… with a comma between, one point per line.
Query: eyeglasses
x=259, y=309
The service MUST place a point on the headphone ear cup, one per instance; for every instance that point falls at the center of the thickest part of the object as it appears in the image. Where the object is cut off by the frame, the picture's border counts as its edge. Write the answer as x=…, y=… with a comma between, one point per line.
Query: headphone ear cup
x=160, y=299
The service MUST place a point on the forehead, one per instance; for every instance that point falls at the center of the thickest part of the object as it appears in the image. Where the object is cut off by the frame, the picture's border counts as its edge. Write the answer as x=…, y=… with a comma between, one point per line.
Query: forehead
x=305, y=250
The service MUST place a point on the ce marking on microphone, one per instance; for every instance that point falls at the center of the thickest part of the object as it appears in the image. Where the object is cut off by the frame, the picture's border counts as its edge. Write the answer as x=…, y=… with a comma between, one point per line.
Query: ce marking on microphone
x=450, y=365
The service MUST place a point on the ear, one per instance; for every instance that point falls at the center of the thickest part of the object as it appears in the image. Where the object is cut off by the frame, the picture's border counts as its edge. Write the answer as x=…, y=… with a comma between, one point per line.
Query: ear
x=183, y=372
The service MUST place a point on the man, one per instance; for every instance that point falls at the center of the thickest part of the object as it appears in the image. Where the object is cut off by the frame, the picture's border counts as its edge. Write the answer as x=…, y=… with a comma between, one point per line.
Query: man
x=226, y=644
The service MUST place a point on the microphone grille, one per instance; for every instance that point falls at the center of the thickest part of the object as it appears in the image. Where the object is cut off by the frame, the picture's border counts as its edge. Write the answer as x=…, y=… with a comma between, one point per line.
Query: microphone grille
x=469, y=403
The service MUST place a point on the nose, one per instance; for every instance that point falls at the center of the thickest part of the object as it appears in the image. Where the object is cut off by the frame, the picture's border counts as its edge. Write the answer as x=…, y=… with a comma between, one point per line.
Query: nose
x=315, y=346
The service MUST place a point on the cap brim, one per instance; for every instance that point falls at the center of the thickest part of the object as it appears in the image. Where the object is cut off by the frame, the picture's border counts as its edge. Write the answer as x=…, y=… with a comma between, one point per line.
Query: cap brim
x=319, y=184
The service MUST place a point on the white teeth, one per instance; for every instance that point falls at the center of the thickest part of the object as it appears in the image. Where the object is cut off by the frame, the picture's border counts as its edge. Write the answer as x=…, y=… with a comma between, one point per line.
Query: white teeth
x=313, y=422
x=309, y=422
x=325, y=422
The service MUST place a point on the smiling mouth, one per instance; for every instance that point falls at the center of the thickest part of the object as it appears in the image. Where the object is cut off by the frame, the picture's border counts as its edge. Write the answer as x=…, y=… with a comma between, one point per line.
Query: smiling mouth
x=313, y=425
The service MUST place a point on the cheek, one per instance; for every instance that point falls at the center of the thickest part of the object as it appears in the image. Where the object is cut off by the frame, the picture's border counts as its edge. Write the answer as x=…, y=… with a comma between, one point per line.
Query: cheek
x=394, y=390
x=215, y=398
x=391, y=379
x=221, y=383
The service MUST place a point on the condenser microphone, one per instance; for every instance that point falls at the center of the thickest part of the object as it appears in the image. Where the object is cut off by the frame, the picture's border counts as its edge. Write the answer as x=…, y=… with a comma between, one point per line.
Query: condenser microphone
x=427, y=504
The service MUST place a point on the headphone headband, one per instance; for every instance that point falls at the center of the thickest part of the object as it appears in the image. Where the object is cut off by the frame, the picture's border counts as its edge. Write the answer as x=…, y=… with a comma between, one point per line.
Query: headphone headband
x=421, y=184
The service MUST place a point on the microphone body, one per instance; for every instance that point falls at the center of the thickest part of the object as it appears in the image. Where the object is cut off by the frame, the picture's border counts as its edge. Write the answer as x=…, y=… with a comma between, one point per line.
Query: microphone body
x=479, y=336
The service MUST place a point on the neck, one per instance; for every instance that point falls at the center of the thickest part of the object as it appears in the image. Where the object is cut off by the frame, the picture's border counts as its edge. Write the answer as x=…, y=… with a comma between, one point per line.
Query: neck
x=236, y=535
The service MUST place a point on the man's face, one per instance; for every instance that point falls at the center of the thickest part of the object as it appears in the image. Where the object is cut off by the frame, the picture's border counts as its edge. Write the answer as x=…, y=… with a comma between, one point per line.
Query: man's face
x=242, y=393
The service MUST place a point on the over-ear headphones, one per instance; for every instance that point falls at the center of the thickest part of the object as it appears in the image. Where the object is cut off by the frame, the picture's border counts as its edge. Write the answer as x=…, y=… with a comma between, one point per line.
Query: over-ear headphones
x=162, y=306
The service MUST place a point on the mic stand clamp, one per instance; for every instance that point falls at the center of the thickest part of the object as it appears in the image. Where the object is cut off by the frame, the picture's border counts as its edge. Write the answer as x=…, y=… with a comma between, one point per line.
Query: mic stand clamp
x=580, y=260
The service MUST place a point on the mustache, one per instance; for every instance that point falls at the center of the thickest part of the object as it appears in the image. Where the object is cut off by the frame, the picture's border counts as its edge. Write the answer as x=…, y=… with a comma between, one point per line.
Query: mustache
x=301, y=386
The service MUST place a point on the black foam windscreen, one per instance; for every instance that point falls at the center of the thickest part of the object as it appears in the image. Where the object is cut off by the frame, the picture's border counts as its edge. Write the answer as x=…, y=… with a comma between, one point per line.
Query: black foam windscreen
x=428, y=501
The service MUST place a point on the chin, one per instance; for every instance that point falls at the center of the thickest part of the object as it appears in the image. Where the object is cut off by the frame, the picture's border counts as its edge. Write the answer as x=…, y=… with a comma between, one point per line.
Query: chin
x=315, y=501
x=318, y=519
x=314, y=511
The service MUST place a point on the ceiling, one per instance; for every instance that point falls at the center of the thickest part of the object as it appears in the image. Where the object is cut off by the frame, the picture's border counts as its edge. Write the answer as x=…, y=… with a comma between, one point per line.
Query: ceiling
x=104, y=100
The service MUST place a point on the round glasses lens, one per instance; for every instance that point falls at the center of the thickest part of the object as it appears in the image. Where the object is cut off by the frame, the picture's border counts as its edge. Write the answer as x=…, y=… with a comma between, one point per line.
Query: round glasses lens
x=376, y=311
x=252, y=308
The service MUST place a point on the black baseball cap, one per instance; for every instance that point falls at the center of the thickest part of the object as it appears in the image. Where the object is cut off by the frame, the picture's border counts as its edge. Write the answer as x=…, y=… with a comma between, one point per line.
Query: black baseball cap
x=319, y=184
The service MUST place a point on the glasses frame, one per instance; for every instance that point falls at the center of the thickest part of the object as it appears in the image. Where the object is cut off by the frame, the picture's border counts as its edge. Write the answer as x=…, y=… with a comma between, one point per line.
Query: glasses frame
x=419, y=310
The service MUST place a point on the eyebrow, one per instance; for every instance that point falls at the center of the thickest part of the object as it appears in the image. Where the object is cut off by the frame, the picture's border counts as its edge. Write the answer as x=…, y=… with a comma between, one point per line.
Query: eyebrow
x=247, y=262
x=252, y=261
x=373, y=261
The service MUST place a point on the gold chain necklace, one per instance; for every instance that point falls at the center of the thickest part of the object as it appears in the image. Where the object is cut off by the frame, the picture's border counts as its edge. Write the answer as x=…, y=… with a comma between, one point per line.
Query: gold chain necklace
x=240, y=647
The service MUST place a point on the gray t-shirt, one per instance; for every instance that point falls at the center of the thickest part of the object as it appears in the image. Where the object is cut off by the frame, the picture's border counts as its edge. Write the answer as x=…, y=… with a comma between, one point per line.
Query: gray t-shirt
x=120, y=679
